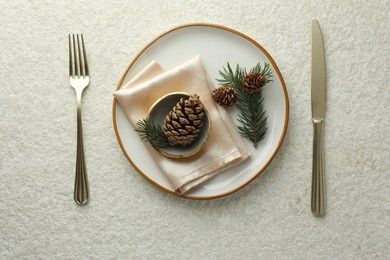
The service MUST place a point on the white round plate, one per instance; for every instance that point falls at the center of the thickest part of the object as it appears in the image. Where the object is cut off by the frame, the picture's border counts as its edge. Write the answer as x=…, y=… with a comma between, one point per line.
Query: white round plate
x=216, y=46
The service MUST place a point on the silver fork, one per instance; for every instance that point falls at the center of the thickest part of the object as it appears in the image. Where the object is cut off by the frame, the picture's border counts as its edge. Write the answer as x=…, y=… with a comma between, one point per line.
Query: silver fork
x=79, y=80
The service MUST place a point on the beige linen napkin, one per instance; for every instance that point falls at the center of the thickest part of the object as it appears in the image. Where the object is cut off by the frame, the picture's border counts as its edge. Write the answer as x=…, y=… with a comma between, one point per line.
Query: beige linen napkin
x=224, y=147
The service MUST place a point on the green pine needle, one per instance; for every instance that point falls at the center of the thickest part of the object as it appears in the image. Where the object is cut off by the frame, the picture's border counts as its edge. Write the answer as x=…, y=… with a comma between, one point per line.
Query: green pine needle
x=230, y=78
x=152, y=133
x=252, y=115
x=266, y=71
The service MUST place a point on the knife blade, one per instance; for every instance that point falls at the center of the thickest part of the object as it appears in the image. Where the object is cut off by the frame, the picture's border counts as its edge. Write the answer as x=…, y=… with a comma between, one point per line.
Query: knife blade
x=318, y=92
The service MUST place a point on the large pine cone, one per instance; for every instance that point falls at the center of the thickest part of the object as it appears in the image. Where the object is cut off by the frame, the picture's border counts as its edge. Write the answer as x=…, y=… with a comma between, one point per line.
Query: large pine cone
x=182, y=124
x=253, y=82
x=224, y=96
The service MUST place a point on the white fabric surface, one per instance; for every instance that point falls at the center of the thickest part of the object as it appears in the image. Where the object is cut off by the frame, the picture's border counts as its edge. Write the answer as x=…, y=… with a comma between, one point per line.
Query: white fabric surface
x=127, y=217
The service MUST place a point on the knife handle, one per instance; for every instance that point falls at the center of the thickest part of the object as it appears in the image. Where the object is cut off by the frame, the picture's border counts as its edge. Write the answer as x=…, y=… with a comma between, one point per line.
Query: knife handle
x=318, y=206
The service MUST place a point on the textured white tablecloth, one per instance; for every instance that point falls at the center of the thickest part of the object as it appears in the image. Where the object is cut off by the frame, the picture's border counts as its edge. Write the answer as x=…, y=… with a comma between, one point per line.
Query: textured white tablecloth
x=129, y=218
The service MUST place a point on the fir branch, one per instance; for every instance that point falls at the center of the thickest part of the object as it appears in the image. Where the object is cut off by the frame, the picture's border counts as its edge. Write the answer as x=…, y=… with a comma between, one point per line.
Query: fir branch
x=152, y=133
x=234, y=79
x=266, y=71
x=252, y=115
x=230, y=78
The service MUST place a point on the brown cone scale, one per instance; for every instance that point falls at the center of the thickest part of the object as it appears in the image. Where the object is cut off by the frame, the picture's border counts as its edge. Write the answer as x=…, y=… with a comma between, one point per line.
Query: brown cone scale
x=253, y=82
x=224, y=96
x=183, y=123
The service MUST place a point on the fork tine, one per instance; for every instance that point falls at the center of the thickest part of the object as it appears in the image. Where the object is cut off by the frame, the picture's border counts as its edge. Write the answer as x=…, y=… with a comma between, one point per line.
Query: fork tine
x=76, y=55
x=71, y=58
x=86, y=71
x=81, y=57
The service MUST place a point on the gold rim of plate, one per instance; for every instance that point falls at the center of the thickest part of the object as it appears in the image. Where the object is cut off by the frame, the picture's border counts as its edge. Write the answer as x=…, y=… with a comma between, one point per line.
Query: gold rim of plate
x=200, y=147
x=279, y=74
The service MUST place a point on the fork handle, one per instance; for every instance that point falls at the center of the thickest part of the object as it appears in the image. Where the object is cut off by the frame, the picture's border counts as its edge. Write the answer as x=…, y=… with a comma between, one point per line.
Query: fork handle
x=318, y=206
x=81, y=190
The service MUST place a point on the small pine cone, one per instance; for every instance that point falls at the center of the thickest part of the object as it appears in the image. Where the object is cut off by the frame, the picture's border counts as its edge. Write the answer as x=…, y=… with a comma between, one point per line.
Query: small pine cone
x=253, y=82
x=183, y=123
x=225, y=96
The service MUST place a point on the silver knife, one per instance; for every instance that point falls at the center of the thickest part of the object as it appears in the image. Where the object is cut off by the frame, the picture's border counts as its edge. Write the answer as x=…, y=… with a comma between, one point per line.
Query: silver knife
x=318, y=90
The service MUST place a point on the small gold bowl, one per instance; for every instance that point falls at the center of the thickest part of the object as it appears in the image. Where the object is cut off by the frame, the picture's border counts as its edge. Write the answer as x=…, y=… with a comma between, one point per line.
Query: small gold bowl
x=160, y=110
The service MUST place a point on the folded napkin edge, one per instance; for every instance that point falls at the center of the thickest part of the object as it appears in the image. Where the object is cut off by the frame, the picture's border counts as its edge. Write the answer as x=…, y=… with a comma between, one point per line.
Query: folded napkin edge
x=211, y=168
